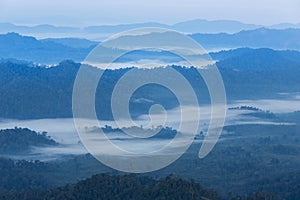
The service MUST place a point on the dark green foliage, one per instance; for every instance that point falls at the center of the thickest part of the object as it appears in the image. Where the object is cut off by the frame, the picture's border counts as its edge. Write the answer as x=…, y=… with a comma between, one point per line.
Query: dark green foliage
x=160, y=132
x=252, y=158
x=251, y=108
x=28, y=91
x=20, y=175
x=256, y=158
x=20, y=140
x=121, y=187
x=38, y=92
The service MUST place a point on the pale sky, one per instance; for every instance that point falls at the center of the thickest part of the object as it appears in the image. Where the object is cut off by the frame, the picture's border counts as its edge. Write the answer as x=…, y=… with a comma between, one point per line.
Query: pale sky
x=96, y=12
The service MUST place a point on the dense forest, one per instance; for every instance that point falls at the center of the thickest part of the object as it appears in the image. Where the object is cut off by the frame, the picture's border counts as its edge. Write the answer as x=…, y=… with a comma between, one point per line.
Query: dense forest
x=22, y=175
x=248, y=159
x=154, y=133
x=20, y=140
x=267, y=156
x=123, y=187
x=47, y=92
x=255, y=161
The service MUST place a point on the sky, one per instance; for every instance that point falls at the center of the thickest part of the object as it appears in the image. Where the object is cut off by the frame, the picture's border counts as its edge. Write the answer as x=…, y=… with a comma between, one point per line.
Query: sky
x=96, y=12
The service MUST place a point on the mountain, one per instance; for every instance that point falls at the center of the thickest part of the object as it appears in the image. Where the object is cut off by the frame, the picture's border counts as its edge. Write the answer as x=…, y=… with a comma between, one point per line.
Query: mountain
x=21, y=140
x=47, y=92
x=41, y=31
x=192, y=26
x=111, y=29
x=225, y=54
x=279, y=55
x=259, y=73
x=258, y=59
x=217, y=26
x=258, y=38
x=54, y=50
x=43, y=28
x=29, y=48
x=102, y=31
x=72, y=42
x=285, y=26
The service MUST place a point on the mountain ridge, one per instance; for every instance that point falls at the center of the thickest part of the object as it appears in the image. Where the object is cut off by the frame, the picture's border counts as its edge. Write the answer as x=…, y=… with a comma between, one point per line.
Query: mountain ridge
x=54, y=50
x=188, y=26
x=47, y=92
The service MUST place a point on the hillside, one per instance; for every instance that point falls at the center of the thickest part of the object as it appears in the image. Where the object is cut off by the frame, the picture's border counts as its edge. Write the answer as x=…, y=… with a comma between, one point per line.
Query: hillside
x=47, y=92
x=258, y=38
x=121, y=187
x=54, y=50
x=29, y=48
x=20, y=140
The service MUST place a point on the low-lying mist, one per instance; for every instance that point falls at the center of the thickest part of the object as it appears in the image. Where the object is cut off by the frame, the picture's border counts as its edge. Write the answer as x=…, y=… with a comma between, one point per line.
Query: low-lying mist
x=64, y=132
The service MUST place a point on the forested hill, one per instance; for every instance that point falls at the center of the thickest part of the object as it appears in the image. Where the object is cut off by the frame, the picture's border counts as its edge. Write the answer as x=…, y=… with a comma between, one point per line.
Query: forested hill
x=28, y=91
x=257, y=59
x=120, y=187
x=128, y=187
x=20, y=140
